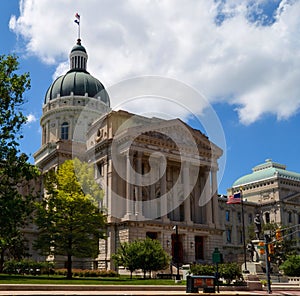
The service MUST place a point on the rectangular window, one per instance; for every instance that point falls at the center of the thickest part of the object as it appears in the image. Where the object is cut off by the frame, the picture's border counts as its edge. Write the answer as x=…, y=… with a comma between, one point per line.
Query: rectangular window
x=227, y=215
x=100, y=168
x=240, y=236
x=152, y=235
x=239, y=217
x=228, y=235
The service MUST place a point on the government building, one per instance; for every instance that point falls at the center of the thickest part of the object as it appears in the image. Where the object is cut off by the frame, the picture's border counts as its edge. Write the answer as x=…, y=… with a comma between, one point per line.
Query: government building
x=157, y=175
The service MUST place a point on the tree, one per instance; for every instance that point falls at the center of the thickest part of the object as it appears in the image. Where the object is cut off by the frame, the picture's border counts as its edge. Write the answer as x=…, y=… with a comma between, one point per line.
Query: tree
x=291, y=267
x=68, y=219
x=16, y=174
x=147, y=255
x=284, y=247
x=152, y=256
x=128, y=255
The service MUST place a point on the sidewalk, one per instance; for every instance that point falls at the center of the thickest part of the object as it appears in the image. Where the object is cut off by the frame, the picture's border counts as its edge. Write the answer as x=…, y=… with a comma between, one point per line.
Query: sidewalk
x=23, y=289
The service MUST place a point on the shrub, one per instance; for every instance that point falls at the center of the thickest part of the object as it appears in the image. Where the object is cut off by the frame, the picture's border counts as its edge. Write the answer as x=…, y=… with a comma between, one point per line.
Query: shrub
x=26, y=266
x=291, y=266
x=230, y=272
x=202, y=269
x=88, y=273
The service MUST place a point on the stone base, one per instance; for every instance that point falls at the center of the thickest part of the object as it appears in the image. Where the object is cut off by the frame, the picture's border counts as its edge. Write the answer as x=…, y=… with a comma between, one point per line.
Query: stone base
x=253, y=282
x=254, y=267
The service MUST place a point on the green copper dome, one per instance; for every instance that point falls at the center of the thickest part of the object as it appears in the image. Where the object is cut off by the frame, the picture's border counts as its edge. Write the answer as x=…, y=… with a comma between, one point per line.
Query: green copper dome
x=78, y=47
x=265, y=171
x=77, y=81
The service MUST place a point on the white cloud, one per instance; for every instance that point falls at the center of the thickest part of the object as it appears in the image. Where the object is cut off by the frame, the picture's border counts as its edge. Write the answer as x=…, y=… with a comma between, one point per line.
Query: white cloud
x=31, y=118
x=254, y=67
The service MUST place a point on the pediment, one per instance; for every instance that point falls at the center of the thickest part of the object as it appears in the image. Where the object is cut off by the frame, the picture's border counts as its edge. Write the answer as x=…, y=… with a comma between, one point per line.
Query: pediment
x=295, y=198
x=171, y=133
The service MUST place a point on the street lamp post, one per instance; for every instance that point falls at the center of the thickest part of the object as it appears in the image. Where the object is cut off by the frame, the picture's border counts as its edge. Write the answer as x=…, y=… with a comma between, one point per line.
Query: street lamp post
x=176, y=251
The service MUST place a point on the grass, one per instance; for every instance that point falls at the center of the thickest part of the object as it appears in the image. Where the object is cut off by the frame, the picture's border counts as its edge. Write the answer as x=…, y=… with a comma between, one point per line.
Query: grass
x=61, y=280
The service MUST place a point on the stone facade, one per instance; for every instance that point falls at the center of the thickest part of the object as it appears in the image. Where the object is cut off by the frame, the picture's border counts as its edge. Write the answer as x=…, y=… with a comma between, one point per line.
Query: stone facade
x=270, y=191
x=138, y=203
x=156, y=174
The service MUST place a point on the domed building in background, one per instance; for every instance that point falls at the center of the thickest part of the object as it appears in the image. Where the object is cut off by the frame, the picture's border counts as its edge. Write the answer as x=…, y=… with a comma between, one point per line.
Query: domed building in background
x=272, y=192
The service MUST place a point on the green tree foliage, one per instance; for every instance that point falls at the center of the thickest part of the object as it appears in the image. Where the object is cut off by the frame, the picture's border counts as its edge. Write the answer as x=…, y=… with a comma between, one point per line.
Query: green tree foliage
x=291, y=267
x=228, y=271
x=152, y=256
x=147, y=255
x=16, y=190
x=202, y=269
x=69, y=220
x=283, y=248
x=128, y=256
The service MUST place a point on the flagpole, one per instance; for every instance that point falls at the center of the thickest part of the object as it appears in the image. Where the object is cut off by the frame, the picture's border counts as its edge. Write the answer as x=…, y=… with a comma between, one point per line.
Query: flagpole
x=77, y=21
x=79, y=30
x=243, y=231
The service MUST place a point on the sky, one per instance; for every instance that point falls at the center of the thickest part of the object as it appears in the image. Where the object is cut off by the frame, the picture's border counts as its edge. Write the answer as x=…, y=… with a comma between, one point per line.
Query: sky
x=241, y=56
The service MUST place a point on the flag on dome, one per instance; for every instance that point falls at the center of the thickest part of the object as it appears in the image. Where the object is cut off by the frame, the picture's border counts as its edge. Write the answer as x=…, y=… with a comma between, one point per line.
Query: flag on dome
x=234, y=199
x=77, y=21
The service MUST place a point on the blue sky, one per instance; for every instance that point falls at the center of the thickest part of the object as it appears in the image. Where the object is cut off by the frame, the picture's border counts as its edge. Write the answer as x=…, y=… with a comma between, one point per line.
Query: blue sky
x=242, y=56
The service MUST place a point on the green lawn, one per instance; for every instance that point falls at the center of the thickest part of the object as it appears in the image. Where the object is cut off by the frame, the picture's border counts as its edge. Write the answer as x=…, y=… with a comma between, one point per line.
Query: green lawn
x=43, y=279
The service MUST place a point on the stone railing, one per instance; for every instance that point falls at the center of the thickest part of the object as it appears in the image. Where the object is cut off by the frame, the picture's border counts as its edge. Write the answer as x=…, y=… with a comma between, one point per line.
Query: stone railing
x=294, y=280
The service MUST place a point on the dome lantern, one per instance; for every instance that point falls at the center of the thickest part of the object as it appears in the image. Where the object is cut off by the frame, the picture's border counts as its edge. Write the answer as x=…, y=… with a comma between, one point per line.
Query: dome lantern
x=78, y=57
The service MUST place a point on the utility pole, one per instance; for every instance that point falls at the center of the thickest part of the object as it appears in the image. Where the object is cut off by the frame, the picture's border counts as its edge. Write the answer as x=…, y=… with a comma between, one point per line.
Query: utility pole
x=267, y=242
x=176, y=251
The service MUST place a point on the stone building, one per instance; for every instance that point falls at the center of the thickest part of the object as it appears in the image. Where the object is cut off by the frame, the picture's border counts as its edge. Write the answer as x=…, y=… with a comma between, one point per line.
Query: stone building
x=271, y=191
x=155, y=173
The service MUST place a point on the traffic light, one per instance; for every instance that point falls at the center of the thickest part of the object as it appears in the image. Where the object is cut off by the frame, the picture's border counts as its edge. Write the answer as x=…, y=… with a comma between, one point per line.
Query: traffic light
x=261, y=247
x=278, y=235
x=271, y=248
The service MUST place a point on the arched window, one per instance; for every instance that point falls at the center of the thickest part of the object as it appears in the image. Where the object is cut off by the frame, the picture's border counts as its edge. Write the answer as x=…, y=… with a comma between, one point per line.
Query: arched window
x=65, y=131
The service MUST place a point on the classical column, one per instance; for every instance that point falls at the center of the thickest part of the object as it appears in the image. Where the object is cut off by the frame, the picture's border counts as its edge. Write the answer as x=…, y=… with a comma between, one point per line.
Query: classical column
x=186, y=193
x=128, y=214
x=153, y=211
x=207, y=196
x=163, y=190
x=214, y=194
x=138, y=187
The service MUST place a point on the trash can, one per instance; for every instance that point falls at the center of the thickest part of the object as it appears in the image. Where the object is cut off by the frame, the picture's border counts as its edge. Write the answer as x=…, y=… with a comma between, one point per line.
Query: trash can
x=206, y=282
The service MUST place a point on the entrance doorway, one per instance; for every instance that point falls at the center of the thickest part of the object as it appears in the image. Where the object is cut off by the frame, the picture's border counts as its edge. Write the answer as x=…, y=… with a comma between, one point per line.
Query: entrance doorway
x=177, y=249
x=199, y=248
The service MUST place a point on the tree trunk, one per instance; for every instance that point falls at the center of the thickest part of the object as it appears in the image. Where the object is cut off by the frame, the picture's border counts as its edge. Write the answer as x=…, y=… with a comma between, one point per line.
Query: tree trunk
x=1, y=260
x=69, y=267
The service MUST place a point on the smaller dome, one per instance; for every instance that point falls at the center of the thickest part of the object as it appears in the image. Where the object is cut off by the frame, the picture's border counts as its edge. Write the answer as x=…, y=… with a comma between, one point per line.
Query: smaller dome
x=78, y=47
x=265, y=171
